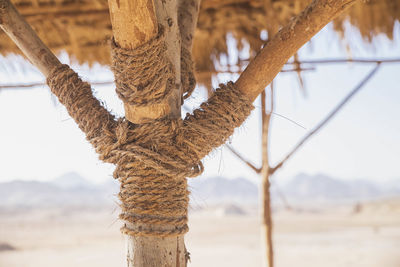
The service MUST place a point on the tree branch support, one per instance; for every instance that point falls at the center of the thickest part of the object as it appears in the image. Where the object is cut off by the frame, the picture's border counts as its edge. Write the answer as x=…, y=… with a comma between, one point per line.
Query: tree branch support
x=267, y=64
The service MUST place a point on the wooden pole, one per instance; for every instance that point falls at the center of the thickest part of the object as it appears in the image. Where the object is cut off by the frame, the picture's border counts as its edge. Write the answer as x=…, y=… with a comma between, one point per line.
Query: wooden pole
x=26, y=39
x=267, y=64
x=266, y=227
x=135, y=22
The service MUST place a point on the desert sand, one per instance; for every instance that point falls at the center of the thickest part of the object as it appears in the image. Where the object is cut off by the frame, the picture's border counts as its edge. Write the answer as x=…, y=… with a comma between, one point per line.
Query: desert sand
x=331, y=237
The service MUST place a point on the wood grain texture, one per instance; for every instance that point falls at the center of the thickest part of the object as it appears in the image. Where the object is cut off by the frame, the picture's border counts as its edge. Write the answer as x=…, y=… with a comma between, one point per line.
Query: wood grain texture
x=133, y=22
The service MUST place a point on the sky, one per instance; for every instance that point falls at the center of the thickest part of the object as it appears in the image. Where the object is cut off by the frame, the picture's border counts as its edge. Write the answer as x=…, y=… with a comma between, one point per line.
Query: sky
x=39, y=141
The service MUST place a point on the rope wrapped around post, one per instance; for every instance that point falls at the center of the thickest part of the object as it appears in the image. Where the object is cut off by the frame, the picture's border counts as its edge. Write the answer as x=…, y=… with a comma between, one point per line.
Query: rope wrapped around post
x=153, y=159
x=153, y=74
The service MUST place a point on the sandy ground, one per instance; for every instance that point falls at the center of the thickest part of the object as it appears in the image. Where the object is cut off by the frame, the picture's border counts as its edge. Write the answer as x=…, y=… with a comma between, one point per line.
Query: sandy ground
x=87, y=238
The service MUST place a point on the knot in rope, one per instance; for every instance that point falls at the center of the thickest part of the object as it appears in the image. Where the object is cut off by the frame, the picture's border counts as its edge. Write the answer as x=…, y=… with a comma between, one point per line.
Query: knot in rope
x=152, y=166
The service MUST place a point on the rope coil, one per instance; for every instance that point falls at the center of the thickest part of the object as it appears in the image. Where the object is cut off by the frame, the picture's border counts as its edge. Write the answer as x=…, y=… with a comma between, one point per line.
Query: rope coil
x=153, y=159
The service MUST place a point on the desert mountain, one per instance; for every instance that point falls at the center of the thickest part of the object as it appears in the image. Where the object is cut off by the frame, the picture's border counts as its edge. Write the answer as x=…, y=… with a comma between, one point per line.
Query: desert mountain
x=73, y=190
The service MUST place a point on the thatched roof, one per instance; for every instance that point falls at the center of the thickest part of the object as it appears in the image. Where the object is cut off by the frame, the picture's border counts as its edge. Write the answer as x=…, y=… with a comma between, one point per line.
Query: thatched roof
x=83, y=28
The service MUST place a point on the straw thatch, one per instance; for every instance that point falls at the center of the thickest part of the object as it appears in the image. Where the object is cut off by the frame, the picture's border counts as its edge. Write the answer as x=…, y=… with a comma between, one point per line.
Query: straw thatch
x=82, y=27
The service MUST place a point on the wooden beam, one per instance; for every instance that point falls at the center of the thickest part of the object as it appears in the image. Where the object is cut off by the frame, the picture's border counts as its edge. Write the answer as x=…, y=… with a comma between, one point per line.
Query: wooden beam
x=26, y=39
x=267, y=64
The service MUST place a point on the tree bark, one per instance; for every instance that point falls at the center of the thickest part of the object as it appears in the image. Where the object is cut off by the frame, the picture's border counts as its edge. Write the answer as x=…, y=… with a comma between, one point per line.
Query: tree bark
x=134, y=23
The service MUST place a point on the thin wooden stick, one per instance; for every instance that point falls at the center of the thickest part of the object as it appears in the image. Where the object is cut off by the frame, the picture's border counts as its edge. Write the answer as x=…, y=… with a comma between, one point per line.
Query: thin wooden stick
x=337, y=61
x=31, y=85
x=26, y=39
x=348, y=60
x=248, y=163
x=311, y=62
x=267, y=224
x=298, y=67
x=268, y=63
x=326, y=120
x=320, y=62
x=263, y=107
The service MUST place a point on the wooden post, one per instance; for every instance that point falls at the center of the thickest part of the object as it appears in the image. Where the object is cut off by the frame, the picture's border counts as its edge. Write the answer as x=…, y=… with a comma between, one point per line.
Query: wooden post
x=135, y=22
x=266, y=227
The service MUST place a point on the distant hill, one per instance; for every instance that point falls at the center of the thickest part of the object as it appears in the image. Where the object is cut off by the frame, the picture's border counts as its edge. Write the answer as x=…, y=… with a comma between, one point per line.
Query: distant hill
x=57, y=193
x=71, y=180
x=322, y=187
x=73, y=190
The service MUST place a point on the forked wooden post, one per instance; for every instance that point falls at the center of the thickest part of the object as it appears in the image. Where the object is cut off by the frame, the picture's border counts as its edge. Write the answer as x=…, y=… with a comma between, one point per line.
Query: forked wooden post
x=135, y=22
